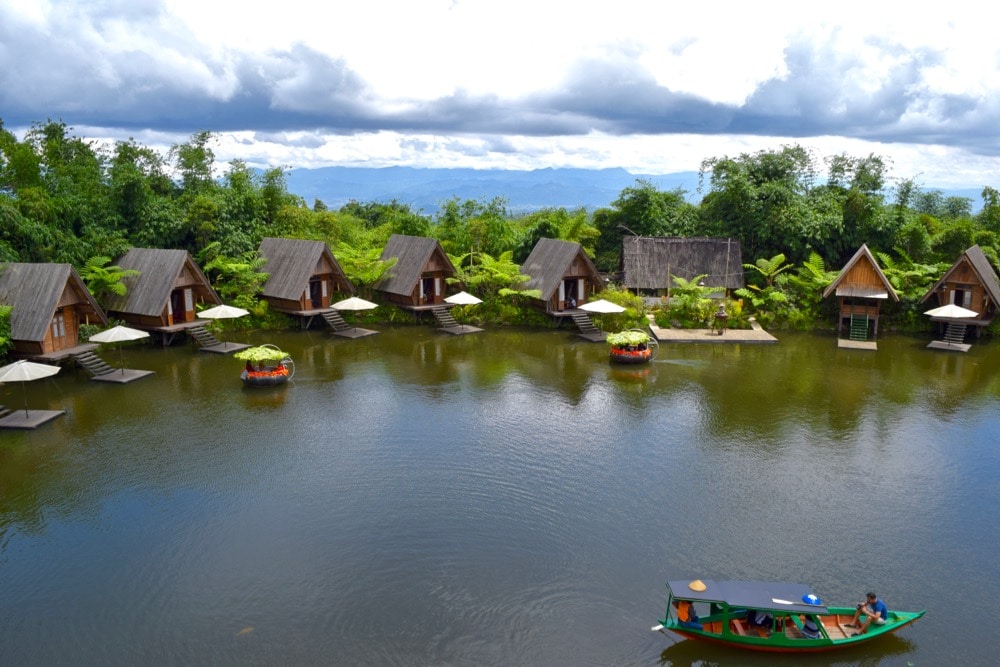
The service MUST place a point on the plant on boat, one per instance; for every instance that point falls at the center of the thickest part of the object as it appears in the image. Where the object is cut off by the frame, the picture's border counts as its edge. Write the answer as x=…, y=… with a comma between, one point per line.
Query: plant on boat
x=623, y=338
x=260, y=353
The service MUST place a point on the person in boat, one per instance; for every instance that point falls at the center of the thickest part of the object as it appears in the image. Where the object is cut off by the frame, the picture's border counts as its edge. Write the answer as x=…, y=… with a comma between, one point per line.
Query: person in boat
x=249, y=367
x=874, y=610
x=757, y=618
x=686, y=615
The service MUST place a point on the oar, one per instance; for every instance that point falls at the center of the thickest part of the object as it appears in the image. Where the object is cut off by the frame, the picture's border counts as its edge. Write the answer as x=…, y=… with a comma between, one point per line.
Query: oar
x=777, y=601
x=657, y=628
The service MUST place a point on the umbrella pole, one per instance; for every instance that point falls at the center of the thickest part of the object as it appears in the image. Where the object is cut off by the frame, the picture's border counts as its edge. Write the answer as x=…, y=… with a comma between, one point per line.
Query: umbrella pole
x=25, y=390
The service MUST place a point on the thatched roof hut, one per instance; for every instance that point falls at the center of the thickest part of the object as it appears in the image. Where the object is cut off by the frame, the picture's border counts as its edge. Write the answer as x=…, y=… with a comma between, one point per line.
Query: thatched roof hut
x=50, y=302
x=563, y=273
x=649, y=263
x=302, y=275
x=164, y=293
x=417, y=279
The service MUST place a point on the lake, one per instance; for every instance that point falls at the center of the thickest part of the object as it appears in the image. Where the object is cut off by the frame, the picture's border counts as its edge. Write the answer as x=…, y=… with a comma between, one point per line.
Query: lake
x=504, y=498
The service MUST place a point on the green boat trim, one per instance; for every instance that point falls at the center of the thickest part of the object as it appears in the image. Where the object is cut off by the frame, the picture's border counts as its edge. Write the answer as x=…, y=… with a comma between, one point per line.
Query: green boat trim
x=793, y=609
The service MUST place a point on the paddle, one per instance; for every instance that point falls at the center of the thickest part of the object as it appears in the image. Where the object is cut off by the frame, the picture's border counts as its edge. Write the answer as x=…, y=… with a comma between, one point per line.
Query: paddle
x=777, y=601
x=657, y=628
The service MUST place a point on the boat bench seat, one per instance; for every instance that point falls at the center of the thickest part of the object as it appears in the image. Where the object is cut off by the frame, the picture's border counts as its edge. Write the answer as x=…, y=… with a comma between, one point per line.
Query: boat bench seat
x=739, y=627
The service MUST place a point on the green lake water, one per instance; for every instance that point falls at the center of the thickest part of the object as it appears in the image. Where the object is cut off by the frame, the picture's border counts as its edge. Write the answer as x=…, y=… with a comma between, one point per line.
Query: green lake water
x=504, y=498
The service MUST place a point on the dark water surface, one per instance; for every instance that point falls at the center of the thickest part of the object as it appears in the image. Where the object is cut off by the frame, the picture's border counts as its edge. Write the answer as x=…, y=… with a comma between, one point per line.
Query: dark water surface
x=498, y=499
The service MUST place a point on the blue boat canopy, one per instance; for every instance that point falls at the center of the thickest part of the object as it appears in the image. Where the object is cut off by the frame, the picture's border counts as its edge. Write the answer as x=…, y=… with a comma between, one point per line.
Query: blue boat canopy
x=775, y=596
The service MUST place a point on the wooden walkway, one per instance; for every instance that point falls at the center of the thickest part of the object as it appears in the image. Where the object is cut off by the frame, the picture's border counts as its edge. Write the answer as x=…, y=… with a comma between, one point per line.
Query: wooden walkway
x=754, y=335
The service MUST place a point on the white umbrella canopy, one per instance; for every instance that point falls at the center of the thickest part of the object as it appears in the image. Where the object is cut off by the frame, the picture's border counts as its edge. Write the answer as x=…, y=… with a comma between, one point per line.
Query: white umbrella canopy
x=602, y=306
x=951, y=311
x=118, y=334
x=25, y=371
x=354, y=303
x=223, y=312
x=463, y=299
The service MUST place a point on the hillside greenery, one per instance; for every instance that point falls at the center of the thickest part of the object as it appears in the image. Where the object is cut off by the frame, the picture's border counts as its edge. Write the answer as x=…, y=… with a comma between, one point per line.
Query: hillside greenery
x=798, y=216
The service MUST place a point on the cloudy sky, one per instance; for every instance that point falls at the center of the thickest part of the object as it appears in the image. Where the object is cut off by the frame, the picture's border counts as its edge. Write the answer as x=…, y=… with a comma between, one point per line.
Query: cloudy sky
x=651, y=86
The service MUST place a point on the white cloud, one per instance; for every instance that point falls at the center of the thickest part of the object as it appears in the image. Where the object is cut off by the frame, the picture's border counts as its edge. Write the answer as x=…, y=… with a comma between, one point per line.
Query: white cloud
x=642, y=84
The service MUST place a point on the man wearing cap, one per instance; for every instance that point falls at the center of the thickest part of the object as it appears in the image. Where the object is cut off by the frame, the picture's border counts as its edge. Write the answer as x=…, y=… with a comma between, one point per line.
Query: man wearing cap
x=874, y=610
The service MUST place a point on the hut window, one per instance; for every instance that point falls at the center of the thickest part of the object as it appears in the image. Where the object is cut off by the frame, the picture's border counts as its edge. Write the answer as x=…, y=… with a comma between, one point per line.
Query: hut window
x=59, y=325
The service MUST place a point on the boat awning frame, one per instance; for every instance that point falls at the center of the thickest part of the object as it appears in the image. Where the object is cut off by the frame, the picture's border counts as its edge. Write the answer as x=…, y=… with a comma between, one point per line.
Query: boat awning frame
x=750, y=595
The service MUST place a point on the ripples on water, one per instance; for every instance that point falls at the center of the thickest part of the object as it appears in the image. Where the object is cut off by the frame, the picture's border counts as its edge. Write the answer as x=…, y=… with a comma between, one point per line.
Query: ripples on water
x=504, y=498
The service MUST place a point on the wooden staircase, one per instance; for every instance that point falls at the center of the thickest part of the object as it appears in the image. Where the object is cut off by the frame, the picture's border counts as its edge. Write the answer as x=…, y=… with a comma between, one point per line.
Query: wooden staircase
x=585, y=324
x=203, y=337
x=859, y=327
x=444, y=317
x=4, y=411
x=955, y=333
x=93, y=363
x=336, y=320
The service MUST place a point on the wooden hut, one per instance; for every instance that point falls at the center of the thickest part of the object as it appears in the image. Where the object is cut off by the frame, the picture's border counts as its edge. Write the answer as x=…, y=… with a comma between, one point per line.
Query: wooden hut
x=650, y=263
x=303, y=277
x=972, y=283
x=417, y=280
x=161, y=298
x=50, y=302
x=860, y=288
x=563, y=273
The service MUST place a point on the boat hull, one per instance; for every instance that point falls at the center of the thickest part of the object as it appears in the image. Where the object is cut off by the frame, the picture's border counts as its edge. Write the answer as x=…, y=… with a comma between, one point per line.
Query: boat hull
x=265, y=379
x=622, y=356
x=787, y=637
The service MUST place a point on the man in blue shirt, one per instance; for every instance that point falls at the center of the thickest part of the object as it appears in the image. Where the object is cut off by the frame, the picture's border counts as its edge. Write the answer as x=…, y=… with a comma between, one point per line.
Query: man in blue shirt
x=874, y=610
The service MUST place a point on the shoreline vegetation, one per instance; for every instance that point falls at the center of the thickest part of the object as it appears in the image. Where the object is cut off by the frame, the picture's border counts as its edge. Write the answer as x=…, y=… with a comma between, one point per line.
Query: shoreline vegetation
x=798, y=217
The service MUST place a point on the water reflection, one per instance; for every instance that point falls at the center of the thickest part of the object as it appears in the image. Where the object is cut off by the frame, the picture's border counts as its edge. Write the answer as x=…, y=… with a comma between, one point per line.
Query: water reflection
x=511, y=495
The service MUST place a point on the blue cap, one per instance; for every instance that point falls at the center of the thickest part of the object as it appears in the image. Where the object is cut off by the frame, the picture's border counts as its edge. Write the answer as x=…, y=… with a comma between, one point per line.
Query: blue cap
x=810, y=599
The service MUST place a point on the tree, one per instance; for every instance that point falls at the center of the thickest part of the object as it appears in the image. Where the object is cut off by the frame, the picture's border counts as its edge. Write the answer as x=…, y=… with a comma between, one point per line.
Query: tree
x=105, y=279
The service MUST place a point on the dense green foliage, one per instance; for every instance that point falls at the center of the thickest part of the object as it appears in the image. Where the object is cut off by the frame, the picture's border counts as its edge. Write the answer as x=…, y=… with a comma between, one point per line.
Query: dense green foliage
x=66, y=199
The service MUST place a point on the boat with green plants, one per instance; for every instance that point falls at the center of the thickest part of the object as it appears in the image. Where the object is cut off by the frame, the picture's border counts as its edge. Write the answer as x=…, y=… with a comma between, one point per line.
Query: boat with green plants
x=266, y=366
x=767, y=616
x=632, y=346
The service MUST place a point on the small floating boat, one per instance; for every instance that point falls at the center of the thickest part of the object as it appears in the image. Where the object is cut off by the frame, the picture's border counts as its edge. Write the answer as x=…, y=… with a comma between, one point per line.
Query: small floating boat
x=769, y=616
x=266, y=366
x=632, y=346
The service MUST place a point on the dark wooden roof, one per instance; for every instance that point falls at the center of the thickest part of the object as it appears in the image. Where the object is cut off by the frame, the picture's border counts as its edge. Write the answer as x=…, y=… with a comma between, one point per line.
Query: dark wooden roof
x=549, y=262
x=646, y=261
x=34, y=290
x=412, y=254
x=292, y=262
x=147, y=293
x=862, y=255
x=982, y=268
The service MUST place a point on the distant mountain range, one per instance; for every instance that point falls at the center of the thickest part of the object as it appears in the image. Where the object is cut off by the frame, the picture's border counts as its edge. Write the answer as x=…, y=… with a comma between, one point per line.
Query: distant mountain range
x=424, y=190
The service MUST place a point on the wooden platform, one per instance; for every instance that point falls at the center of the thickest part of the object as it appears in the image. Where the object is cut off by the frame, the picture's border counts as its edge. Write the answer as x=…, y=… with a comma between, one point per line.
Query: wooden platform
x=755, y=335
x=944, y=345
x=598, y=337
x=856, y=344
x=121, y=376
x=33, y=419
x=224, y=348
x=460, y=330
x=354, y=332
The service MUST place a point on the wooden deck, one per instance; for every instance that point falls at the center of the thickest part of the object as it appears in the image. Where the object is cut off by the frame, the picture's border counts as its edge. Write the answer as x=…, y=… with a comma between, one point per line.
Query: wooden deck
x=30, y=419
x=754, y=335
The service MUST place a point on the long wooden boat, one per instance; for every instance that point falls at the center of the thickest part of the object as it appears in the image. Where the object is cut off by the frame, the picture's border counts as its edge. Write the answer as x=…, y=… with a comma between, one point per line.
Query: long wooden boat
x=795, y=620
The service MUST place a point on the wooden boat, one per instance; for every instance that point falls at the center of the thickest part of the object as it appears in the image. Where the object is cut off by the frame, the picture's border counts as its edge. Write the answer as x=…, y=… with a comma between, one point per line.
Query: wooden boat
x=273, y=367
x=794, y=619
x=632, y=346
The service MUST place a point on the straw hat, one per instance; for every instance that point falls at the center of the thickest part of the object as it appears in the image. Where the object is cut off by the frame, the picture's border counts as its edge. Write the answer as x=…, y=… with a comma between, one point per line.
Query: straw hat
x=697, y=585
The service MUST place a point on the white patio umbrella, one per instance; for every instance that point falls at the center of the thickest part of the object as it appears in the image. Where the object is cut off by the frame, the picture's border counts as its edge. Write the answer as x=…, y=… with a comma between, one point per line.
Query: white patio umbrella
x=602, y=306
x=223, y=312
x=25, y=371
x=118, y=334
x=463, y=299
x=354, y=303
x=951, y=311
